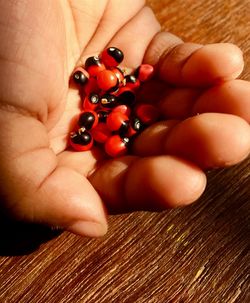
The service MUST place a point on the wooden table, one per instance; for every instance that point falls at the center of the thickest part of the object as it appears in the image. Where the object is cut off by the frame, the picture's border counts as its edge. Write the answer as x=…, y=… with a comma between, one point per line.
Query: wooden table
x=197, y=254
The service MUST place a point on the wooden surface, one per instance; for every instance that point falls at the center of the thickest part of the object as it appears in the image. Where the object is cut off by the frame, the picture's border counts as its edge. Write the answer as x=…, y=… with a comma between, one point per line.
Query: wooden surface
x=197, y=254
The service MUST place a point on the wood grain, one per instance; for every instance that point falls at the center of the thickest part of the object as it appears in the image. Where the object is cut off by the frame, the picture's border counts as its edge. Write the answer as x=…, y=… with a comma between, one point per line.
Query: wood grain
x=195, y=254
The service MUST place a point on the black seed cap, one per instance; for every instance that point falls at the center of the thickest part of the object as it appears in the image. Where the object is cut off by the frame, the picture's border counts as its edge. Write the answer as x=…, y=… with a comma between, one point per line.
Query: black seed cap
x=137, y=71
x=81, y=138
x=124, y=128
x=86, y=120
x=80, y=78
x=93, y=98
x=95, y=60
x=115, y=53
x=130, y=79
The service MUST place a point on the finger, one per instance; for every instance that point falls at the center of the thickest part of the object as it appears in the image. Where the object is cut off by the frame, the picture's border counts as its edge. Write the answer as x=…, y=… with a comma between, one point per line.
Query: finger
x=209, y=140
x=82, y=162
x=151, y=141
x=213, y=63
x=133, y=39
x=173, y=103
x=152, y=91
x=86, y=17
x=232, y=97
x=108, y=179
x=111, y=21
x=192, y=64
x=154, y=183
x=37, y=188
x=178, y=102
x=162, y=43
x=126, y=38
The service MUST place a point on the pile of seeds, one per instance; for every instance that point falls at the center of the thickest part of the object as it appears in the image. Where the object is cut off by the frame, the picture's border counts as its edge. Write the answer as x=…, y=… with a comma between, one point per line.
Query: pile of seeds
x=110, y=115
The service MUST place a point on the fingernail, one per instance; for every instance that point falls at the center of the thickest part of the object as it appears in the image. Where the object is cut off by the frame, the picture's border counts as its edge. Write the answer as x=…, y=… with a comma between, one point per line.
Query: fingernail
x=88, y=229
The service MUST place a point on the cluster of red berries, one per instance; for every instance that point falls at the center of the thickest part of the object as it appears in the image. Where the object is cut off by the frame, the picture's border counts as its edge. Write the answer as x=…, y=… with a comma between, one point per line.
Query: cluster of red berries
x=110, y=115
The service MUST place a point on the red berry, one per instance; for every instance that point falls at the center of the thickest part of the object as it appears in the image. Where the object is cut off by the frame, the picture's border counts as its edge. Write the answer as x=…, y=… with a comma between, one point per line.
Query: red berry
x=116, y=121
x=119, y=74
x=147, y=113
x=91, y=86
x=116, y=146
x=112, y=57
x=107, y=80
x=81, y=140
x=101, y=133
x=144, y=72
x=93, y=66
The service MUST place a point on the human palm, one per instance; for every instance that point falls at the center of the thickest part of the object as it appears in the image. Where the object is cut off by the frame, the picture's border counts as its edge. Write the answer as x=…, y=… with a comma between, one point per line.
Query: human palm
x=44, y=181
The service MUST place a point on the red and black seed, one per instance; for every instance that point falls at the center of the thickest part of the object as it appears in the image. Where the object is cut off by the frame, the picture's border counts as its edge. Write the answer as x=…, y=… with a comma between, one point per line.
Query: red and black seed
x=93, y=65
x=88, y=119
x=116, y=146
x=144, y=72
x=80, y=78
x=112, y=57
x=81, y=140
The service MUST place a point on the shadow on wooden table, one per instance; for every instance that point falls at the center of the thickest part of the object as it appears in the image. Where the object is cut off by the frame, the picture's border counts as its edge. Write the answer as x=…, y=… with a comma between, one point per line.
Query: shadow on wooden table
x=22, y=238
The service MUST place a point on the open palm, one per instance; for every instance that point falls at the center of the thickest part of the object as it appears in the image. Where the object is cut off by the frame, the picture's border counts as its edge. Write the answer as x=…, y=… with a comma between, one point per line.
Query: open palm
x=42, y=181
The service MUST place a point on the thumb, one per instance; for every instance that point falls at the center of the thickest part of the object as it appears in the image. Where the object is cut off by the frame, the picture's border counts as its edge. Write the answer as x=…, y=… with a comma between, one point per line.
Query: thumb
x=36, y=188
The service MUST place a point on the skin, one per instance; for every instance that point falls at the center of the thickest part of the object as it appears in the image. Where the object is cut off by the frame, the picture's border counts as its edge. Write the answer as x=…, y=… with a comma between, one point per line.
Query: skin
x=43, y=181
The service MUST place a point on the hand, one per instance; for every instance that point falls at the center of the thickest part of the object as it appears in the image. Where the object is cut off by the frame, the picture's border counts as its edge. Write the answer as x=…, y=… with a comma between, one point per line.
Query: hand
x=42, y=181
